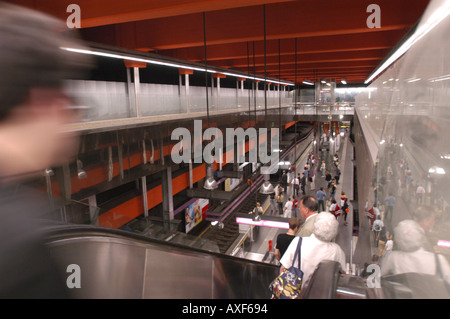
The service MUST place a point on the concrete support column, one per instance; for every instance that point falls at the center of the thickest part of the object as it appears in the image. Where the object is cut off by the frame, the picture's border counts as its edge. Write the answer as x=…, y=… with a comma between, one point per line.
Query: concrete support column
x=166, y=184
x=93, y=209
x=218, y=76
x=137, y=88
x=186, y=74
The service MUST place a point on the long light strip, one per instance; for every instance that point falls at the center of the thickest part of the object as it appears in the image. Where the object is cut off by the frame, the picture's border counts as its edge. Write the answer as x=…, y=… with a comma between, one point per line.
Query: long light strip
x=441, y=78
x=132, y=58
x=440, y=14
x=264, y=223
x=443, y=243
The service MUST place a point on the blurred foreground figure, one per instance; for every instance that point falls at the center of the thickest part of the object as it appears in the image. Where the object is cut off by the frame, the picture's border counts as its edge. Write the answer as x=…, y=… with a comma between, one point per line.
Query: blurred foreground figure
x=33, y=112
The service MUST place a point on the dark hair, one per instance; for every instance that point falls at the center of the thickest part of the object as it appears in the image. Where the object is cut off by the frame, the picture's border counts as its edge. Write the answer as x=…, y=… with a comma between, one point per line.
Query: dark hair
x=310, y=202
x=31, y=54
x=294, y=222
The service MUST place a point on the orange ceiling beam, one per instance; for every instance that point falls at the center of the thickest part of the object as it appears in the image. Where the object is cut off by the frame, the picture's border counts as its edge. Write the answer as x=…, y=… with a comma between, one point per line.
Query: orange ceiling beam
x=338, y=43
x=308, y=58
x=284, y=20
x=106, y=12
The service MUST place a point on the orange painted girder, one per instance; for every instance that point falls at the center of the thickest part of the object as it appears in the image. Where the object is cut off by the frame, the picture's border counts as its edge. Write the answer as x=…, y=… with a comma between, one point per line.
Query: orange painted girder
x=321, y=44
x=285, y=20
x=105, y=12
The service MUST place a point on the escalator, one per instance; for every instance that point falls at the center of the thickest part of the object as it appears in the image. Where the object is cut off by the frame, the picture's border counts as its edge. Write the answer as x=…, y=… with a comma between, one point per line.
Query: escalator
x=119, y=264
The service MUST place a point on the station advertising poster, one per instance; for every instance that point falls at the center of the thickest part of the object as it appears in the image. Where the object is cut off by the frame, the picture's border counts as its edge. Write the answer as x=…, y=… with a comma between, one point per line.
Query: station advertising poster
x=231, y=183
x=195, y=213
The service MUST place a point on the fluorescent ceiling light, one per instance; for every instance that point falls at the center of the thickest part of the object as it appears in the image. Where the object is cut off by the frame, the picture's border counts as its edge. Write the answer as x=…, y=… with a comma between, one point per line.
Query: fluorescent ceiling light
x=434, y=19
x=132, y=58
x=414, y=80
x=441, y=78
x=343, y=81
x=176, y=65
x=443, y=243
x=436, y=170
x=307, y=82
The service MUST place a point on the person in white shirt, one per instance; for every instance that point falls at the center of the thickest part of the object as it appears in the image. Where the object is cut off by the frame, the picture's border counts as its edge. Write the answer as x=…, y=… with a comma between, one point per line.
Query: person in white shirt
x=288, y=208
x=420, y=194
x=296, y=184
x=409, y=255
x=316, y=248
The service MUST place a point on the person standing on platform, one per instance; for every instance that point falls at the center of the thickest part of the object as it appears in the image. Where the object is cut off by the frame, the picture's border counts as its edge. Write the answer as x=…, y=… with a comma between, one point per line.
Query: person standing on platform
x=321, y=195
x=323, y=168
x=280, y=201
x=296, y=184
x=306, y=172
x=257, y=211
x=284, y=181
x=287, y=212
x=308, y=211
x=295, y=205
x=328, y=177
x=303, y=184
x=284, y=240
x=420, y=195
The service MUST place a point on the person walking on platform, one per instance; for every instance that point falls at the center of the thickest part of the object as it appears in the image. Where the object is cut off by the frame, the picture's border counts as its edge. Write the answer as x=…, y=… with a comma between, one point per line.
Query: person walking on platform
x=308, y=211
x=335, y=209
x=389, y=203
x=344, y=206
x=283, y=240
x=337, y=174
x=332, y=188
x=321, y=195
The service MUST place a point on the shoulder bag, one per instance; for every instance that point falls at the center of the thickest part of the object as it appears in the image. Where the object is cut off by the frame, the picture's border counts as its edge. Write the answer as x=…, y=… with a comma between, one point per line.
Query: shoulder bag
x=288, y=284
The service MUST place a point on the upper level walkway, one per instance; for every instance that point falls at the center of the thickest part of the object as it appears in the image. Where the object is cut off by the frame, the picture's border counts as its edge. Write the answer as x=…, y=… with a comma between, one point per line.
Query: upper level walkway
x=112, y=105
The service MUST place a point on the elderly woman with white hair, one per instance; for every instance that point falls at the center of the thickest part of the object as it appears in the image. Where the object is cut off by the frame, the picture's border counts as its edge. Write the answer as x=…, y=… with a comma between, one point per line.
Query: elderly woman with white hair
x=409, y=256
x=316, y=248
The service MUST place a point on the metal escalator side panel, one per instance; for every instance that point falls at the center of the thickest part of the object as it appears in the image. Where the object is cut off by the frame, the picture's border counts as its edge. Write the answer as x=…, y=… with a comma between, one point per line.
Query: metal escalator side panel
x=127, y=268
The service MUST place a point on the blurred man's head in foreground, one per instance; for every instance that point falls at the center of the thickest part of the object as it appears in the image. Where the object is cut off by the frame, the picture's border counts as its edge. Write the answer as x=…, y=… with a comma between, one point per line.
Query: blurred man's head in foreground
x=33, y=107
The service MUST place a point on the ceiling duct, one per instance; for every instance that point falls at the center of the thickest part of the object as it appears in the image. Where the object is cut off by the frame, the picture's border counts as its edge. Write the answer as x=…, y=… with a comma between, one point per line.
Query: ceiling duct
x=267, y=187
x=210, y=182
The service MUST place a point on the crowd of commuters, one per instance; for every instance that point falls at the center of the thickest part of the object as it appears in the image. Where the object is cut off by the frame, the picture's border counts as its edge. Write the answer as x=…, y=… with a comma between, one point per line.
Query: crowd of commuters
x=399, y=248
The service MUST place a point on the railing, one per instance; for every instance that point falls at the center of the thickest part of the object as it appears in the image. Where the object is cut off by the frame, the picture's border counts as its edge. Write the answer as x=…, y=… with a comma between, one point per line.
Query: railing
x=103, y=101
